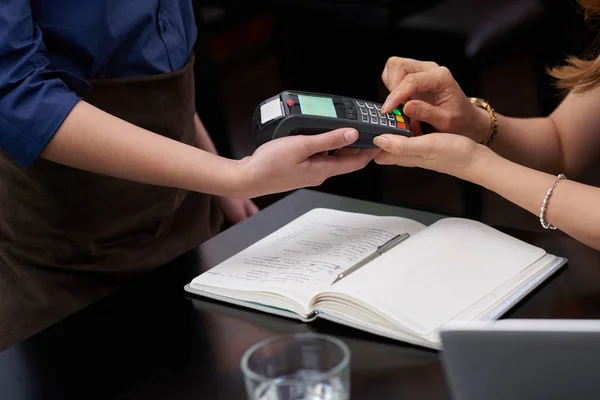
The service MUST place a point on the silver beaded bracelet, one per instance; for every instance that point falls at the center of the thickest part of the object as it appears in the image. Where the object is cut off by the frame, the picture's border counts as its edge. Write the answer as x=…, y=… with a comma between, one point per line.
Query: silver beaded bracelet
x=543, y=221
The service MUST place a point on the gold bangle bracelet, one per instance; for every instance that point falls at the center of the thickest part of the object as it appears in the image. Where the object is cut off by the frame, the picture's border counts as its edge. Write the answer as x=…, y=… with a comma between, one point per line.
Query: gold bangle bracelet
x=493, y=119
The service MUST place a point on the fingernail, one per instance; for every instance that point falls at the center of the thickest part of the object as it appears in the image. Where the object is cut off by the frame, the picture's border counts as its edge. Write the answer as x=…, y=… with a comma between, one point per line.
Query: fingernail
x=386, y=106
x=350, y=136
x=406, y=108
x=381, y=142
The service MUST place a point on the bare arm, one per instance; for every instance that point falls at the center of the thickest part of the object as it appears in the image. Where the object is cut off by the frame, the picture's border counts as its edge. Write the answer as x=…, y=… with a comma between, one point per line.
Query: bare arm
x=567, y=141
x=203, y=140
x=93, y=140
x=573, y=207
x=235, y=210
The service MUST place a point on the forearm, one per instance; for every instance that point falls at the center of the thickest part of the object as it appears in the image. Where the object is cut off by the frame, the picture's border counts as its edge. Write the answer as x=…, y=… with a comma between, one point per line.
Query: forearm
x=573, y=207
x=203, y=140
x=532, y=142
x=566, y=141
x=93, y=140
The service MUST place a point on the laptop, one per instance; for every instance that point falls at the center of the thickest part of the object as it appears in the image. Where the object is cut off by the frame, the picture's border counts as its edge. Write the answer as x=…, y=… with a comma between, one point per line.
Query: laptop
x=522, y=359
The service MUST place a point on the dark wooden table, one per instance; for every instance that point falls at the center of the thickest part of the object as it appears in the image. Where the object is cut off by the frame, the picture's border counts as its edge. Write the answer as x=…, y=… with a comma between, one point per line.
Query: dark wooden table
x=152, y=341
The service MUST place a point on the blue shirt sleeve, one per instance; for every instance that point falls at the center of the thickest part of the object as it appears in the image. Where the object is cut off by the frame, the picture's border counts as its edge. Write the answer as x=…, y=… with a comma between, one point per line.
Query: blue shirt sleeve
x=34, y=100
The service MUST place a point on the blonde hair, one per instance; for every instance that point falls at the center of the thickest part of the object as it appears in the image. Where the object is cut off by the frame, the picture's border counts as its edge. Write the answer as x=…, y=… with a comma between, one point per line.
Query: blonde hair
x=580, y=74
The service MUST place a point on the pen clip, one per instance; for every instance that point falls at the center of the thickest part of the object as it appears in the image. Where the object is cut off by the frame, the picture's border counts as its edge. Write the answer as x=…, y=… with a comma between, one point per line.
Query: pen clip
x=396, y=240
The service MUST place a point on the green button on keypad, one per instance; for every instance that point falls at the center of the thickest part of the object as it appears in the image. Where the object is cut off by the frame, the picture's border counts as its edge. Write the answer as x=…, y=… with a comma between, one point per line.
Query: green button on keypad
x=397, y=112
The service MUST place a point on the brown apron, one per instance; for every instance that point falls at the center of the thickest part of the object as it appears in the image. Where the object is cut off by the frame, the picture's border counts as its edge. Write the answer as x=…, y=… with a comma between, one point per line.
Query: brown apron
x=69, y=237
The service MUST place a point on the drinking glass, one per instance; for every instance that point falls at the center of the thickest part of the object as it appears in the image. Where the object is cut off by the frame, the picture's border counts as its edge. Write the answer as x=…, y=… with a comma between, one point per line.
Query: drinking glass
x=304, y=366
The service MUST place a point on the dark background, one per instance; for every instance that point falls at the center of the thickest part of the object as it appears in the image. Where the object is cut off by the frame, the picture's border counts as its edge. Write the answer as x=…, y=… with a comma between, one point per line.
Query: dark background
x=497, y=49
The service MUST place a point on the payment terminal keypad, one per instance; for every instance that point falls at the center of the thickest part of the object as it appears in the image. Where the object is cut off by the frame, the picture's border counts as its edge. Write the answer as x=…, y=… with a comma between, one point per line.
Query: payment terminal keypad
x=351, y=112
x=371, y=113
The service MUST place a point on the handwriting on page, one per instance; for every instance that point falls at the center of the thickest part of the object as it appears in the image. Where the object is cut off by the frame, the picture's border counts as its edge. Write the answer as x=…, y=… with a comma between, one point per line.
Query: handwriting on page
x=310, y=255
x=342, y=243
x=281, y=270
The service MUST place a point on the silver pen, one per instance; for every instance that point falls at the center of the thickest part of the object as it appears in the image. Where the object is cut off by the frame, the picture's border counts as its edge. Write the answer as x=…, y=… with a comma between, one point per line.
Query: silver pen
x=396, y=240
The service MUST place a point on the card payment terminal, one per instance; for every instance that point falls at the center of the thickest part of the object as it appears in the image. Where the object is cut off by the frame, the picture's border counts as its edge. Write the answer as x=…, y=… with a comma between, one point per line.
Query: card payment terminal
x=302, y=113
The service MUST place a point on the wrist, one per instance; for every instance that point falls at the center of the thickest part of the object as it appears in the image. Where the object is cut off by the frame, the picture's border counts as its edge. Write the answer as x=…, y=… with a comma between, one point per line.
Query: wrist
x=218, y=176
x=479, y=125
x=478, y=169
x=240, y=180
x=244, y=181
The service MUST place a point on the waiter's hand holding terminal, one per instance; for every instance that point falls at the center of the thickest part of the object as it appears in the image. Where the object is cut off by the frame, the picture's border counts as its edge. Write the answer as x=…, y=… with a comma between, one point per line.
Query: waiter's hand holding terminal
x=95, y=141
x=300, y=161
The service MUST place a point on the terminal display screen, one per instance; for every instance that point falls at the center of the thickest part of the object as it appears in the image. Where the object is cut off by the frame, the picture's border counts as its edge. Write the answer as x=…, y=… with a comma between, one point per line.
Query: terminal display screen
x=320, y=106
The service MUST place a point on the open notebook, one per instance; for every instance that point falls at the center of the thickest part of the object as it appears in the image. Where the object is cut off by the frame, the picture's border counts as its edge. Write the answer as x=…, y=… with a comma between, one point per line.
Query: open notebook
x=455, y=269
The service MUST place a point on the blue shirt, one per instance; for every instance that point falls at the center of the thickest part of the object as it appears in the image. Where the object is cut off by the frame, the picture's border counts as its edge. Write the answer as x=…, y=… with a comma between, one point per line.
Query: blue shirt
x=49, y=48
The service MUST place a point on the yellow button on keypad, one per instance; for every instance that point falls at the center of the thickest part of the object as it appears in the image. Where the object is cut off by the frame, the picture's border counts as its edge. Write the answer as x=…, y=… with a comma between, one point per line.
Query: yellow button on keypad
x=400, y=118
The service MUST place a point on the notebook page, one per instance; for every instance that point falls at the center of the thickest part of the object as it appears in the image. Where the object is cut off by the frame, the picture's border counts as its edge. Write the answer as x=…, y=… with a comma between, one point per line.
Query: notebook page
x=439, y=273
x=305, y=256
